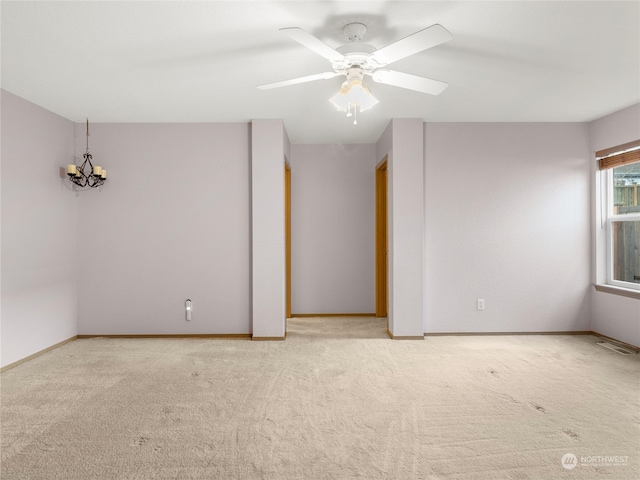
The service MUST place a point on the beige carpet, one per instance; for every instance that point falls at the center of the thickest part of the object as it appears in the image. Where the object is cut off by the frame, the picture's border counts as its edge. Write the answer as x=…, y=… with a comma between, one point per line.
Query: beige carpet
x=336, y=400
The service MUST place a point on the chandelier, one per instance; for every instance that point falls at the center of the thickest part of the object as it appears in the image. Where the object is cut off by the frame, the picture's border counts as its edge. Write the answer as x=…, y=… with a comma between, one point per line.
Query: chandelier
x=87, y=174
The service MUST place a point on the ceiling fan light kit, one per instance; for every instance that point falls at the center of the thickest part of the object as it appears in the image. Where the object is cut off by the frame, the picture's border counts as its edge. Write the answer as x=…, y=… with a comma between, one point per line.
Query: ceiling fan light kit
x=355, y=60
x=353, y=94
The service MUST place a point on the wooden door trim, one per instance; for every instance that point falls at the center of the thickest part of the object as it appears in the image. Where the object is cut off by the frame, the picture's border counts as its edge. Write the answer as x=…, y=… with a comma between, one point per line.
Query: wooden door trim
x=382, y=239
x=287, y=235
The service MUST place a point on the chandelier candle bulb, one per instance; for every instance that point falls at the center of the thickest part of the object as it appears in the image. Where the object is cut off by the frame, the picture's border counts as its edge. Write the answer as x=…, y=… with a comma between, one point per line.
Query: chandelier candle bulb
x=97, y=170
x=103, y=174
x=72, y=169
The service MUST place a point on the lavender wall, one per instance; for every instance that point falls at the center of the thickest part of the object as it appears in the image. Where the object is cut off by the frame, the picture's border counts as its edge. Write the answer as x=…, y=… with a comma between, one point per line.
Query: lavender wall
x=39, y=231
x=172, y=222
x=333, y=228
x=612, y=315
x=406, y=226
x=403, y=145
x=507, y=221
x=269, y=147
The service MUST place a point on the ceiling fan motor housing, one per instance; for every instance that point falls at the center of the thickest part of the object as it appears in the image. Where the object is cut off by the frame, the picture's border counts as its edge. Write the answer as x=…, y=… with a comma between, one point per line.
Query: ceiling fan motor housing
x=355, y=54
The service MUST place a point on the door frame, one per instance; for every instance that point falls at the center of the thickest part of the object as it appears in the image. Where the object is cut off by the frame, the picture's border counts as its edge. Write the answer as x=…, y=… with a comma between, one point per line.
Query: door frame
x=287, y=237
x=382, y=239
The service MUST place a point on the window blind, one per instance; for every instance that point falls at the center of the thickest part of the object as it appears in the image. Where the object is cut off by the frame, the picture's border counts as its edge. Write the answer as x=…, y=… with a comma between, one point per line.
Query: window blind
x=618, y=156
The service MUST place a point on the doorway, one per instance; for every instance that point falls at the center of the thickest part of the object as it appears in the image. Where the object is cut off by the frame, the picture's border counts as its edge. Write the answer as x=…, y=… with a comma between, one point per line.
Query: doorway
x=382, y=239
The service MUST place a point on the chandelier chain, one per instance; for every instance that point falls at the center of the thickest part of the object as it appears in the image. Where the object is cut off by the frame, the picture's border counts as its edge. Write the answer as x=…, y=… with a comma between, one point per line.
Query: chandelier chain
x=87, y=135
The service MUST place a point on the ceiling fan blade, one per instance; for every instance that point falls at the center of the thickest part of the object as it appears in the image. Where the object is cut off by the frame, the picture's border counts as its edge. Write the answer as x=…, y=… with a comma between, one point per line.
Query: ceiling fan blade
x=294, y=81
x=312, y=43
x=414, y=43
x=411, y=82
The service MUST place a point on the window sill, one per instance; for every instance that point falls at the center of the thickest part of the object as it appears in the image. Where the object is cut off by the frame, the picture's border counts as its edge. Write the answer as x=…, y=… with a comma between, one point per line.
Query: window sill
x=625, y=292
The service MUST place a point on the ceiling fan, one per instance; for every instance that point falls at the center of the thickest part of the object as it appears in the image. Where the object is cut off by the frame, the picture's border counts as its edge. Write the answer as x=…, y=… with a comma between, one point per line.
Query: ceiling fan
x=355, y=59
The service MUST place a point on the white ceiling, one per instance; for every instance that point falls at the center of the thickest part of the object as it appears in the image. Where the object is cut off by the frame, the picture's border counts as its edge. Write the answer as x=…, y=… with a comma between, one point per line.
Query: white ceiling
x=182, y=61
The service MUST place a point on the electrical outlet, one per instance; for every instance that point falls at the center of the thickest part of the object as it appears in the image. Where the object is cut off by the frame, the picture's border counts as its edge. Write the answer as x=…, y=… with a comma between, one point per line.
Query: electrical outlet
x=481, y=304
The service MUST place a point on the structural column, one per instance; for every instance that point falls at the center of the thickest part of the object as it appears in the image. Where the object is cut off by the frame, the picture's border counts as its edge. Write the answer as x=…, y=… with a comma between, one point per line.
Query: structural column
x=406, y=229
x=268, y=230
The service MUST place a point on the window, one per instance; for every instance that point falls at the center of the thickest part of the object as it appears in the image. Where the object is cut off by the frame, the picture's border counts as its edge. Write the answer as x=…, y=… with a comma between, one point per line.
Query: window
x=621, y=173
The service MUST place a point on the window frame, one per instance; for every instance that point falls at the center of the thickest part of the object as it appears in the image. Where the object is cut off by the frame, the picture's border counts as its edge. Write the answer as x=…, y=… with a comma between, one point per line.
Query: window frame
x=610, y=219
